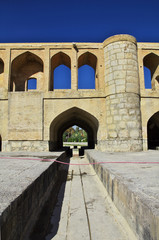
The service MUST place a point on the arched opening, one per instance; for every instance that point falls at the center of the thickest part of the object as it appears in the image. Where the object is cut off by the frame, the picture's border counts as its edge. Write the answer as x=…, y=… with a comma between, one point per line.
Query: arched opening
x=1, y=70
x=153, y=131
x=151, y=62
x=24, y=67
x=157, y=82
x=87, y=65
x=157, y=79
x=75, y=136
x=71, y=117
x=60, y=72
x=86, y=77
x=147, y=78
x=32, y=84
x=1, y=66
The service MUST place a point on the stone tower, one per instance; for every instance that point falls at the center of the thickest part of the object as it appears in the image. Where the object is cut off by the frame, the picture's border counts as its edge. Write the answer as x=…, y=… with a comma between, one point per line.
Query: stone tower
x=123, y=115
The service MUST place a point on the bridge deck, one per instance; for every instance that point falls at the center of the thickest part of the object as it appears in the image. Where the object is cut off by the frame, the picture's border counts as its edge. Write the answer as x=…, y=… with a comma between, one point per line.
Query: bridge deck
x=84, y=209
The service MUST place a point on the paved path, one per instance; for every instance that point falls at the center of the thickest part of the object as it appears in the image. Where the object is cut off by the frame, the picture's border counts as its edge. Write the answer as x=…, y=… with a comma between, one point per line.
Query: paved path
x=84, y=209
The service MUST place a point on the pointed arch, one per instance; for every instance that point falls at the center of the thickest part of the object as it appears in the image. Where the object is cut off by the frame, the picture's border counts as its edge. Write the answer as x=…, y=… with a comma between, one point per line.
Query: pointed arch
x=153, y=131
x=151, y=62
x=68, y=118
x=25, y=66
x=1, y=72
x=87, y=71
x=1, y=66
x=60, y=62
x=157, y=82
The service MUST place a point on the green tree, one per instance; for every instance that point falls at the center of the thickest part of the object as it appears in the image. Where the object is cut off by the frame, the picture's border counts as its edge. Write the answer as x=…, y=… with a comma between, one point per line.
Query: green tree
x=75, y=135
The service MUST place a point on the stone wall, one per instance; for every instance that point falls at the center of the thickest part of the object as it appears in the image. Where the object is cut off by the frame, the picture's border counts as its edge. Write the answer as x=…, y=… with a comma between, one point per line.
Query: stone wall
x=139, y=210
x=33, y=146
x=115, y=102
x=19, y=218
x=122, y=94
x=25, y=115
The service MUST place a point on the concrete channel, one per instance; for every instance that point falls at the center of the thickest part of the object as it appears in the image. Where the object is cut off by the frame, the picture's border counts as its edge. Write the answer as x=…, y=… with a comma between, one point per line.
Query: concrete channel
x=44, y=200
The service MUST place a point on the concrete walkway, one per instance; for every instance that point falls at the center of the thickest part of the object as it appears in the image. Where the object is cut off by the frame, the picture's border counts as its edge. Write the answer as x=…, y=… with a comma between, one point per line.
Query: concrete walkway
x=84, y=209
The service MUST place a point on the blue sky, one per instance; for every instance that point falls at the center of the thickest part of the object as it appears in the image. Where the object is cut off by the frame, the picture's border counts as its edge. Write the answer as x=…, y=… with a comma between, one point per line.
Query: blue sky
x=77, y=21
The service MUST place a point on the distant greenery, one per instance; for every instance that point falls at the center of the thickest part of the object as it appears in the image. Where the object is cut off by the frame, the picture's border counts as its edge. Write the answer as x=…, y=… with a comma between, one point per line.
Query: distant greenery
x=75, y=134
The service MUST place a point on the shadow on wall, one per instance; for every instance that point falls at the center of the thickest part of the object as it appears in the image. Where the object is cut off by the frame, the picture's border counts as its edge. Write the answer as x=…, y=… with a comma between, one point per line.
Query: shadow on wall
x=24, y=67
x=48, y=222
x=153, y=131
x=0, y=143
x=151, y=71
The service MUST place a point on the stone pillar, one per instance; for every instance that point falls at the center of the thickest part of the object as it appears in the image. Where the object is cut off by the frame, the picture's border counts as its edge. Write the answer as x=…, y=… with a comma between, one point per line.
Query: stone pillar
x=74, y=70
x=121, y=77
x=7, y=70
x=46, y=63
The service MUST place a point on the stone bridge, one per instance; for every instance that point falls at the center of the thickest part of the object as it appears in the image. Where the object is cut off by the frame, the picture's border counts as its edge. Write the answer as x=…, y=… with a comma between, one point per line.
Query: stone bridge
x=119, y=113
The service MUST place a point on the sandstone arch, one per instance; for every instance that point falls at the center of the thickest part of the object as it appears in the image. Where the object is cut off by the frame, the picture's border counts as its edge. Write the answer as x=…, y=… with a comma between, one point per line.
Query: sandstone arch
x=87, y=60
x=153, y=131
x=58, y=59
x=1, y=66
x=25, y=66
x=1, y=72
x=70, y=117
x=151, y=61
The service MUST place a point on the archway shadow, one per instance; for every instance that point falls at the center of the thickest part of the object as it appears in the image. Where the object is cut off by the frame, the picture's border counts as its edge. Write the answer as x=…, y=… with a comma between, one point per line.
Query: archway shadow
x=153, y=131
x=48, y=223
x=68, y=118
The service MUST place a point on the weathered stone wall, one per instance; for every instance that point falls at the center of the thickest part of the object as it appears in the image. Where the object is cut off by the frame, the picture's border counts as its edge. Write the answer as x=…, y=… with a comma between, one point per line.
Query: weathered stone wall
x=149, y=97
x=33, y=146
x=4, y=119
x=122, y=94
x=18, y=220
x=25, y=116
x=115, y=102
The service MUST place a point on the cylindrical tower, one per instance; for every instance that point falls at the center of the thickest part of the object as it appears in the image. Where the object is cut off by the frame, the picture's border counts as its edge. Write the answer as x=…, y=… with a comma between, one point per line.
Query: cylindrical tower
x=122, y=94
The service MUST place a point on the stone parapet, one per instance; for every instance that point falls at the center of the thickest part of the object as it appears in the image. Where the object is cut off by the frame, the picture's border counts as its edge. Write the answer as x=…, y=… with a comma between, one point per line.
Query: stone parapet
x=120, y=145
x=29, y=196
x=132, y=189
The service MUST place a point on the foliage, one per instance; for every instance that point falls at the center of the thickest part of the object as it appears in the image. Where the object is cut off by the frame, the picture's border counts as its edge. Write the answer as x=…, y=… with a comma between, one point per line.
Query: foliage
x=75, y=134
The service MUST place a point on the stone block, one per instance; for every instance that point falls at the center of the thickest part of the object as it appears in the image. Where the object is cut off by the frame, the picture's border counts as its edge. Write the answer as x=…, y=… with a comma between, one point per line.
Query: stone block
x=122, y=125
x=134, y=133
x=117, y=118
x=109, y=120
x=119, y=74
x=112, y=134
x=120, y=88
x=124, y=133
x=114, y=63
x=120, y=55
